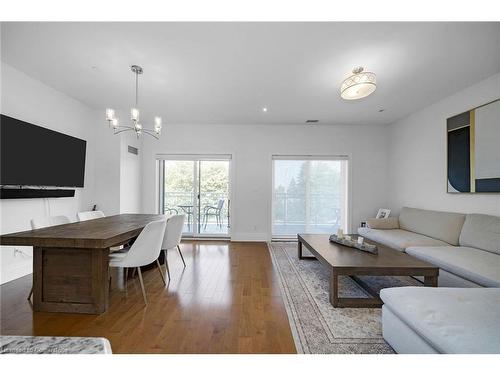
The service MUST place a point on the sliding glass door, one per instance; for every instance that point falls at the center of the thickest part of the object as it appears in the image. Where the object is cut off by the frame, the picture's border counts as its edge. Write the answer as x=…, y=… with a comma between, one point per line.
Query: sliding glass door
x=198, y=187
x=309, y=195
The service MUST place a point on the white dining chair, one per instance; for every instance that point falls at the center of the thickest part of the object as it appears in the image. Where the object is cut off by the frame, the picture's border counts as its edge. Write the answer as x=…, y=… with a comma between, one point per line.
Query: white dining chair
x=89, y=215
x=172, y=238
x=145, y=250
x=47, y=221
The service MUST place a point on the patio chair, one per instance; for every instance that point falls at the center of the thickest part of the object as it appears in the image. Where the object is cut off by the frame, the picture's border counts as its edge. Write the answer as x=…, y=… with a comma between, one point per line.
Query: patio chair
x=213, y=211
x=171, y=211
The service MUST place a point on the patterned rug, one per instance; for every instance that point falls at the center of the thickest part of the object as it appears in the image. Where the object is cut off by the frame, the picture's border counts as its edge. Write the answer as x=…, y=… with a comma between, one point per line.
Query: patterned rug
x=316, y=325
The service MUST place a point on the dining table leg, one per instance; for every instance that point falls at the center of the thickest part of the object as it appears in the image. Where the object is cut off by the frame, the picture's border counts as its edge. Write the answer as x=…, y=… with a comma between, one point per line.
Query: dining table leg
x=72, y=280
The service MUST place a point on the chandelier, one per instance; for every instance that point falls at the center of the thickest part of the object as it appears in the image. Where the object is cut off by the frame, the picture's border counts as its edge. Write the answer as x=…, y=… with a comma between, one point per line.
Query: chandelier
x=359, y=85
x=134, y=114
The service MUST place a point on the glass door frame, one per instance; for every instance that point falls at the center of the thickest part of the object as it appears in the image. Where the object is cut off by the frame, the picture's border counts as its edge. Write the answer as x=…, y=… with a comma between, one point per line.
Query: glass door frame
x=347, y=223
x=196, y=223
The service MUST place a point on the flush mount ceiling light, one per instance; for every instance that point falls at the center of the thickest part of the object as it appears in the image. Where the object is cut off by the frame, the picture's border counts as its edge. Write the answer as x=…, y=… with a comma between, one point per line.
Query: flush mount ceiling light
x=134, y=114
x=359, y=85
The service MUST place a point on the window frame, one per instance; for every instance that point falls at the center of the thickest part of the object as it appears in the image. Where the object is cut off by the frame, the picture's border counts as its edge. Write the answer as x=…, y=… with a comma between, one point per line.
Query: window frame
x=160, y=176
x=346, y=222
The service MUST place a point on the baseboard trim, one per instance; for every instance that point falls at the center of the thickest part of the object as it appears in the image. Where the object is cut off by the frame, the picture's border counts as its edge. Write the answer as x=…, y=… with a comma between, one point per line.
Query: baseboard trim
x=250, y=237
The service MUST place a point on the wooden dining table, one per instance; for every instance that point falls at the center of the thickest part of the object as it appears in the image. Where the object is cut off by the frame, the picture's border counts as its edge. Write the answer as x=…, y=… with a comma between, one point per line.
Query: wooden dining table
x=70, y=261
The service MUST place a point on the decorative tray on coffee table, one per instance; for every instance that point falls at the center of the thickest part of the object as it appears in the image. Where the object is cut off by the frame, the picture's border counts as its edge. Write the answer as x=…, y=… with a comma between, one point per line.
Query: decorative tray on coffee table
x=369, y=248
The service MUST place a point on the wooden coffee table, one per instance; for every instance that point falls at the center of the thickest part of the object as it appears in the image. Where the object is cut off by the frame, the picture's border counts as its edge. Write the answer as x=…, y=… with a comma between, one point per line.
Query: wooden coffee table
x=343, y=260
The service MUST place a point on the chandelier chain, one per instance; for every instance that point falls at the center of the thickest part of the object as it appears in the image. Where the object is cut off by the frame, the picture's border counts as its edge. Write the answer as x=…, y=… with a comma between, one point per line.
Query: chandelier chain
x=136, y=89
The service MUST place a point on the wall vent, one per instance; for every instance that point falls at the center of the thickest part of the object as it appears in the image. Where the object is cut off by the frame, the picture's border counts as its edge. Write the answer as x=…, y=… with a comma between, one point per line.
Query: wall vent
x=312, y=121
x=133, y=150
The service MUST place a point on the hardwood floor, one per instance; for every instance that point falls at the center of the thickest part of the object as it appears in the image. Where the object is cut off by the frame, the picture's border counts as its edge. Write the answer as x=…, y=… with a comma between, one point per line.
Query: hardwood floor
x=227, y=300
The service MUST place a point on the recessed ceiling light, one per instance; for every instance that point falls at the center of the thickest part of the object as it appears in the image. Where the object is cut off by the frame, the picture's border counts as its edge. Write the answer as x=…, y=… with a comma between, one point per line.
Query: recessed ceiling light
x=359, y=85
x=264, y=109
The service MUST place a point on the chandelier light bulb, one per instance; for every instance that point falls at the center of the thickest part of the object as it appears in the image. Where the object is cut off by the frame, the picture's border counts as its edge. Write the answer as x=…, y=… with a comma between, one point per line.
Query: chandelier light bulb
x=110, y=114
x=134, y=114
x=157, y=126
x=359, y=85
x=114, y=123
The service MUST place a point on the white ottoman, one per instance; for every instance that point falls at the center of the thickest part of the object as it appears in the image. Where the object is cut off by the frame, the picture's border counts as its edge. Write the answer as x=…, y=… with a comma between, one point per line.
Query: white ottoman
x=441, y=320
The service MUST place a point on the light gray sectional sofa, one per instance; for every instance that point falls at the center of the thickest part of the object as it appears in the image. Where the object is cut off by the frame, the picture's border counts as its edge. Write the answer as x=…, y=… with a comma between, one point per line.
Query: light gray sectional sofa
x=466, y=248
x=453, y=318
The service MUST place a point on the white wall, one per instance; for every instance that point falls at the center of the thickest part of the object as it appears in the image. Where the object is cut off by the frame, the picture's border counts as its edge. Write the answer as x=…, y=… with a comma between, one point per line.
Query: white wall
x=130, y=174
x=252, y=147
x=107, y=167
x=30, y=100
x=117, y=172
x=418, y=155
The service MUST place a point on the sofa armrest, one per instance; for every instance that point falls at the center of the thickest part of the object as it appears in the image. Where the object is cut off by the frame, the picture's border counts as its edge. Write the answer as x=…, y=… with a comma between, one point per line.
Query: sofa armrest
x=387, y=223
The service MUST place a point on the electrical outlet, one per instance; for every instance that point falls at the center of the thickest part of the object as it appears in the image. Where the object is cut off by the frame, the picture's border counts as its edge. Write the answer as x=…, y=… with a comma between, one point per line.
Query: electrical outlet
x=20, y=253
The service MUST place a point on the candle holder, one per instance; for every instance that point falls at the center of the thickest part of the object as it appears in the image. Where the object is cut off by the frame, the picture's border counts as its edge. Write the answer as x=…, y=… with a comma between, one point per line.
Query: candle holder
x=369, y=248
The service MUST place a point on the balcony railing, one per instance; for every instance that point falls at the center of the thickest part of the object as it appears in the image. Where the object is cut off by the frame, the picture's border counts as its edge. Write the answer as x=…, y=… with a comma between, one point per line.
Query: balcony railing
x=315, y=209
x=292, y=213
x=176, y=202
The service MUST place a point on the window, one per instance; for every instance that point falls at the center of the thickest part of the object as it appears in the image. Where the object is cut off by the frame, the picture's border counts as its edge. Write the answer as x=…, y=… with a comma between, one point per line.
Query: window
x=199, y=188
x=309, y=195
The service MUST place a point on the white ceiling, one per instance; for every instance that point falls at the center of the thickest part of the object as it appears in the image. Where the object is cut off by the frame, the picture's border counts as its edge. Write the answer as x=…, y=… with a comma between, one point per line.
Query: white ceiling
x=226, y=72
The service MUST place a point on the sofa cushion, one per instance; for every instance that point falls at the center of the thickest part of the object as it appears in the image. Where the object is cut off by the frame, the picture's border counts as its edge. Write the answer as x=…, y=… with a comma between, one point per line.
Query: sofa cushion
x=387, y=223
x=444, y=226
x=399, y=239
x=481, y=231
x=452, y=320
x=478, y=266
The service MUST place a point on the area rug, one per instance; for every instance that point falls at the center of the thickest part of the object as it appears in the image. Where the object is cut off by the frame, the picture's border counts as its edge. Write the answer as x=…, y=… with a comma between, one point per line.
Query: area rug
x=316, y=325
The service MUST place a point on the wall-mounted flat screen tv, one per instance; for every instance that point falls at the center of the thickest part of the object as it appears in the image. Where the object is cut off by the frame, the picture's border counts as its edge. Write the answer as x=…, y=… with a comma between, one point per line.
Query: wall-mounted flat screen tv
x=33, y=155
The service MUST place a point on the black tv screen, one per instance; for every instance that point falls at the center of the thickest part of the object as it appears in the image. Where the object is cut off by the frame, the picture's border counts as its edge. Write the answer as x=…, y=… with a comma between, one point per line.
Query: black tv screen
x=32, y=155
